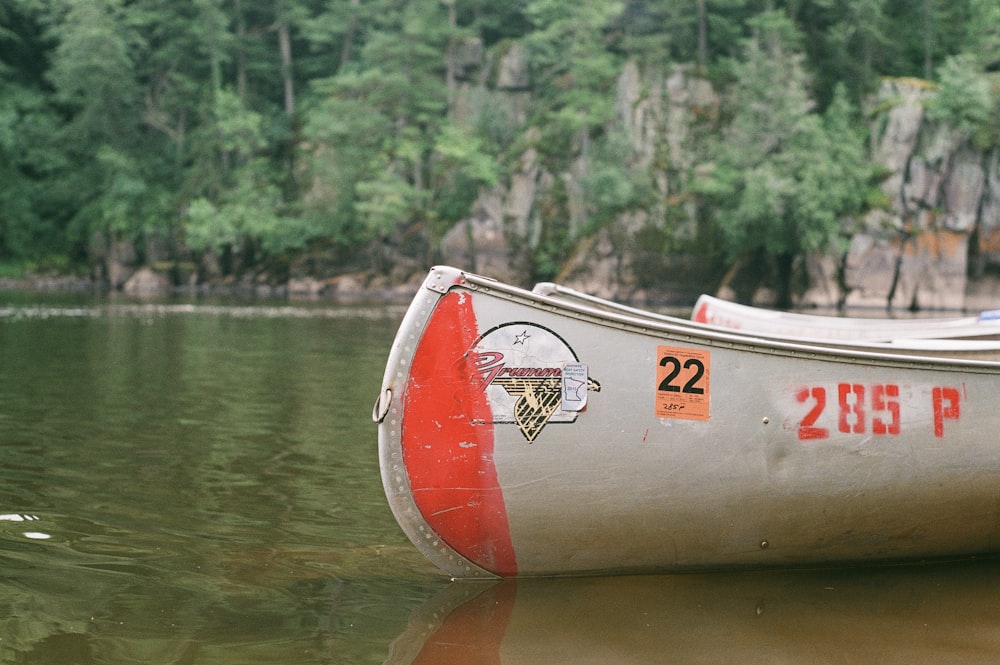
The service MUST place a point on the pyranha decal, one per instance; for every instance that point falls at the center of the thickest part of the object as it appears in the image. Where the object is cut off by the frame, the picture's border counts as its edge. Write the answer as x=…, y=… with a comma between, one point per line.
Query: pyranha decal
x=531, y=377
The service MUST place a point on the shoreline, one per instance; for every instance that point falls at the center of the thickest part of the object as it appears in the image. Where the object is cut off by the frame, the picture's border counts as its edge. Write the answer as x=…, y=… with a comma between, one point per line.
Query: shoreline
x=349, y=289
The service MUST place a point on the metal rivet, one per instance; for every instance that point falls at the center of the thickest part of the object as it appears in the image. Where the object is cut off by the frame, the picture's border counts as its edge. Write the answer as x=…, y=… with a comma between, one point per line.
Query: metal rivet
x=766, y=420
x=763, y=544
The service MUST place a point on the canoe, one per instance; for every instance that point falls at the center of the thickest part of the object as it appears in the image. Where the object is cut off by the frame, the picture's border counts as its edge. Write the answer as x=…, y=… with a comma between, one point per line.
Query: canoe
x=520, y=436
x=971, y=338
x=723, y=313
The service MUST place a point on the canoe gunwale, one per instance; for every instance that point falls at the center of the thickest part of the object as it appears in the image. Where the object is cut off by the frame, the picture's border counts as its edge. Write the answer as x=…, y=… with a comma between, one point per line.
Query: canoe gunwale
x=964, y=344
x=714, y=335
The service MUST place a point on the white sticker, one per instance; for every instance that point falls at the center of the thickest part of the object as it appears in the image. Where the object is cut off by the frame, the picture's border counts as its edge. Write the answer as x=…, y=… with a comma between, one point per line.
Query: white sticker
x=574, y=386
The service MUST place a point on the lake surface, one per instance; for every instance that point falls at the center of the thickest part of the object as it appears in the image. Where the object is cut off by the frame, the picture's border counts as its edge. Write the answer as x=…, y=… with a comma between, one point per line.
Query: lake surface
x=198, y=483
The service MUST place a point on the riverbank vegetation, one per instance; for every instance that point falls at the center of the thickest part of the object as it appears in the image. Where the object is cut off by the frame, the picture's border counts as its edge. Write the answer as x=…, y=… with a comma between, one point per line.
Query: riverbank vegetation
x=285, y=137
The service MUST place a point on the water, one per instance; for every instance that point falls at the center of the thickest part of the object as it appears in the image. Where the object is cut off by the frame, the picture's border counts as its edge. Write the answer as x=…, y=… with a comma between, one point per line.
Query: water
x=198, y=483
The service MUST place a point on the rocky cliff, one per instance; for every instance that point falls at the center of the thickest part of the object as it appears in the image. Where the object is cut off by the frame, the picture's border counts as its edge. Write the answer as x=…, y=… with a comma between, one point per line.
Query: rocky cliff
x=935, y=244
x=659, y=113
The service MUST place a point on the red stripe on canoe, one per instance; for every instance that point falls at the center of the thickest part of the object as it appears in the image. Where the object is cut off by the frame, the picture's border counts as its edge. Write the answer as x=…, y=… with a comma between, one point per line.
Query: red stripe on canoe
x=701, y=314
x=448, y=441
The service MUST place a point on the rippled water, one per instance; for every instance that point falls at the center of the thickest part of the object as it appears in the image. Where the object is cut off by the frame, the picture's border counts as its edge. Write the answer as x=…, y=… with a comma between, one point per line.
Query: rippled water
x=198, y=483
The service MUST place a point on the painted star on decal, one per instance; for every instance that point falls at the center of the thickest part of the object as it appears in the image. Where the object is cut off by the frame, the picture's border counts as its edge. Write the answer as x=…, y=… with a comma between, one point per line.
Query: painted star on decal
x=519, y=339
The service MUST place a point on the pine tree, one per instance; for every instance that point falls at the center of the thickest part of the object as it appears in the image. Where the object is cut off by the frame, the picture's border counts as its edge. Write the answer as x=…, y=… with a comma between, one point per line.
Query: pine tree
x=783, y=176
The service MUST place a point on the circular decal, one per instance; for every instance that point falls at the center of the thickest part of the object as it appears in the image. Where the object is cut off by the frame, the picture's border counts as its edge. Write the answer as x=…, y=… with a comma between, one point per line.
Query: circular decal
x=531, y=377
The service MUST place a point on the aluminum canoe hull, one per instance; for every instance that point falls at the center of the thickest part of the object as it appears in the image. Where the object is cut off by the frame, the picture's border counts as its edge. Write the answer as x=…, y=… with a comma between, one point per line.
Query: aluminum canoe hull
x=520, y=436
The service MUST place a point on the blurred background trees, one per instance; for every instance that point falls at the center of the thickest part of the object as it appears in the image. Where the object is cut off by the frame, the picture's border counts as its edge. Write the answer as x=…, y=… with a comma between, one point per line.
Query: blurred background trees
x=258, y=131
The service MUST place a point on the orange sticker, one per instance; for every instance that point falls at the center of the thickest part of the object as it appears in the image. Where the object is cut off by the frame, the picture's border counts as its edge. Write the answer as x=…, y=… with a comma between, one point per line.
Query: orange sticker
x=682, y=383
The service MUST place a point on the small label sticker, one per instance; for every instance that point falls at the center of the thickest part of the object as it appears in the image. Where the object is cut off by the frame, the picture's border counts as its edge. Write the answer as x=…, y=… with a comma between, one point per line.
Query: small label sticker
x=574, y=386
x=682, y=383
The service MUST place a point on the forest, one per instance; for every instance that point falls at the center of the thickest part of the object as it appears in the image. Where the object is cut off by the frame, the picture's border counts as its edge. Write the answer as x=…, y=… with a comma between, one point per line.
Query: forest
x=272, y=138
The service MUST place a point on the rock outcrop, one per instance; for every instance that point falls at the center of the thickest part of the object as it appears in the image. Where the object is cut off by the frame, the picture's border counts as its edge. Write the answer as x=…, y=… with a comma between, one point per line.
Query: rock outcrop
x=146, y=282
x=942, y=212
x=656, y=112
x=935, y=245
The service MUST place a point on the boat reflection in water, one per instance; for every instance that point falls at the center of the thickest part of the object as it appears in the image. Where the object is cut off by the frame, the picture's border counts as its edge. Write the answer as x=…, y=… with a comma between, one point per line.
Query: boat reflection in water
x=907, y=614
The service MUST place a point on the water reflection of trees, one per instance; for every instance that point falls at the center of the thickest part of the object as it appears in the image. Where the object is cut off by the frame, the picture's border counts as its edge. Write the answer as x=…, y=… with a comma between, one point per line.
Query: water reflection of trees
x=210, y=486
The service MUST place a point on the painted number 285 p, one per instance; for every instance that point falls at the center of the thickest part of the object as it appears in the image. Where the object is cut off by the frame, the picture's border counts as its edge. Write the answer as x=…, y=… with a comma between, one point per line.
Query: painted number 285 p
x=868, y=408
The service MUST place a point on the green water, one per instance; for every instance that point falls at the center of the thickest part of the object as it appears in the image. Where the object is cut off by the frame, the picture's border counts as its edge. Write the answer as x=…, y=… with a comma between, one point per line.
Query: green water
x=198, y=483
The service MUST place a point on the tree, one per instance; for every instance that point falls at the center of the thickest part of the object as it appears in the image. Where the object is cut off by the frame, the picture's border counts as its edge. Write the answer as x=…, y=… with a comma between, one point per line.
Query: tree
x=572, y=67
x=573, y=73
x=252, y=215
x=338, y=29
x=28, y=158
x=270, y=126
x=462, y=167
x=783, y=176
x=93, y=75
x=374, y=134
x=853, y=41
x=693, y=31
x=924, y=33
x=964, y=98
x=983, y=32
x=95, y=85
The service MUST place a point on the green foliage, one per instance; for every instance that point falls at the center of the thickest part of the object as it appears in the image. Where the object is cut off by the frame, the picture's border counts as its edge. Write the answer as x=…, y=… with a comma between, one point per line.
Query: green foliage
x=207, y=229
x=92, y=72
x=344, y=138
x=142, y=118
x=783, y=176
x=386, y=202
x=253, y=211
x=460, y=150
x=123, y=194
x=611, y=186
x=983, y=31
x=925, y=33
x=964, y=98
x=376, y=128
x=572, y=67
x=461, y=167
x=31, y=154
x=25, y=159
x=239, y=129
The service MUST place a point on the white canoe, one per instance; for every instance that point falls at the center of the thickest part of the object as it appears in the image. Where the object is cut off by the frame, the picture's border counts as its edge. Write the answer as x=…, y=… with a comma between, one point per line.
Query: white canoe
x=522, y=436
x=970, y=338
x=725, y=314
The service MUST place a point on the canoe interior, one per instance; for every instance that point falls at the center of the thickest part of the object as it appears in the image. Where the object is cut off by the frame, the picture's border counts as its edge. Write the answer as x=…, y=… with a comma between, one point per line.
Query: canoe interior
x=725, y=314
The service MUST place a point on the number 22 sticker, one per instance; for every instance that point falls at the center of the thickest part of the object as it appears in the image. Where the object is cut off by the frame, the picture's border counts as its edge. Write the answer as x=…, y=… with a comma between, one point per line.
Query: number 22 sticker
x=682, y=383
